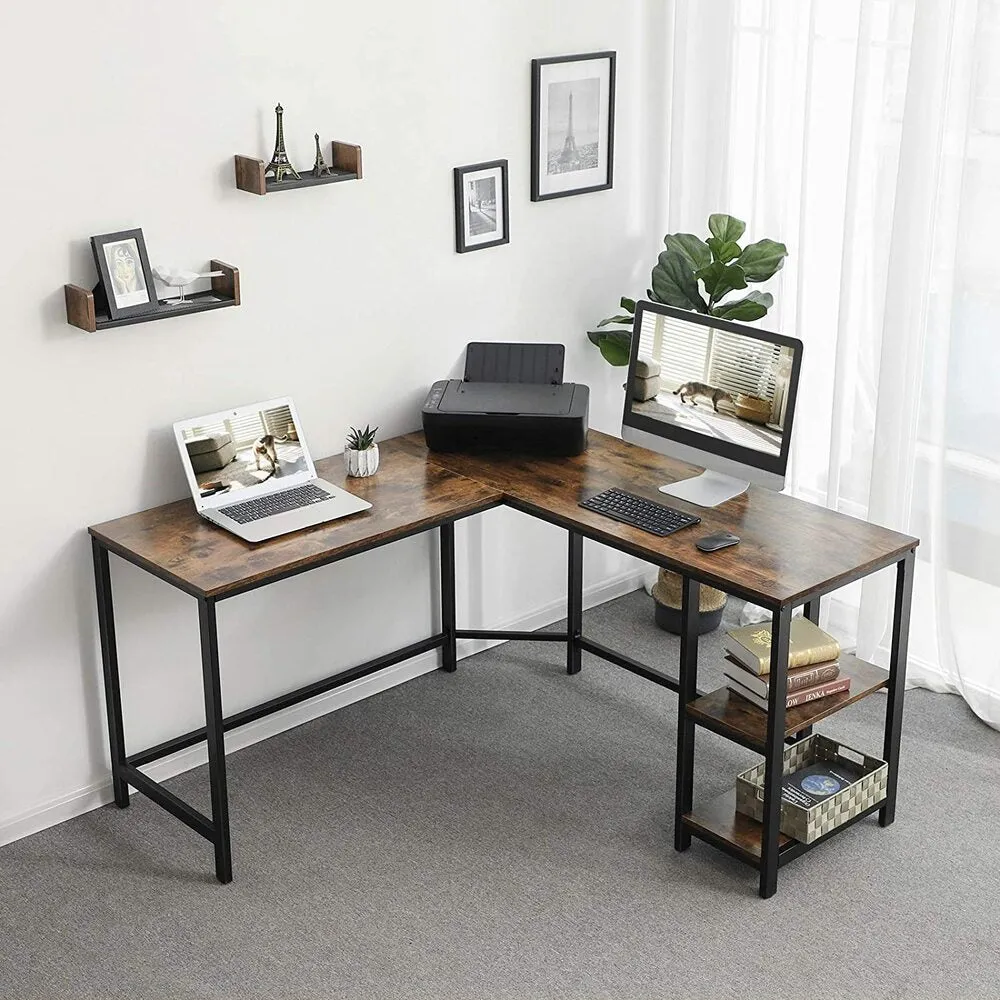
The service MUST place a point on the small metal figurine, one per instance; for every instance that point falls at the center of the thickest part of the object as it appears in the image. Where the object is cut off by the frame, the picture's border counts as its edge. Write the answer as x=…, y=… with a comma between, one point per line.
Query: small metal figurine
x=320, y=169
x=279, y=164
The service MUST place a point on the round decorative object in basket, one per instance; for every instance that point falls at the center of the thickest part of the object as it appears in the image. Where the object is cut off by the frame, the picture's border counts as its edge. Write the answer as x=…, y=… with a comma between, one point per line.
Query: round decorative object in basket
x=752, y=408
x=361, y=463
x=667, y=598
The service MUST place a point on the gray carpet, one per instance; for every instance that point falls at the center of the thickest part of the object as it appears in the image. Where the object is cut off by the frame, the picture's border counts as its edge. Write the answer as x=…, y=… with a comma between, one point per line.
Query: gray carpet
x=506, y=832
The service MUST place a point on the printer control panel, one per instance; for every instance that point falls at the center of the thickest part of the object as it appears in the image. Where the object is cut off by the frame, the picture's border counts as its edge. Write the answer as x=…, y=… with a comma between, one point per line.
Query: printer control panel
x=436, y=394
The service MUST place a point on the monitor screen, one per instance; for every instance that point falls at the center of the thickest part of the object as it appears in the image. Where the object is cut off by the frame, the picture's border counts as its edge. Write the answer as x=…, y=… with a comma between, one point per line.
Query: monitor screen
x=250, y=446
x=721, y=387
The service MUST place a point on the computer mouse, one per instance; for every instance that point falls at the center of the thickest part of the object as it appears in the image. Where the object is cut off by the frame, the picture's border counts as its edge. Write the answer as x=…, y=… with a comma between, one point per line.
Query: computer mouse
x=718, y=540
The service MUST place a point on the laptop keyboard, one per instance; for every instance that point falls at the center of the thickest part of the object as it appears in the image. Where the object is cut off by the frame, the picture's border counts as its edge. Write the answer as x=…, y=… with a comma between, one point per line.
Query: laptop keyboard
x=275, y=503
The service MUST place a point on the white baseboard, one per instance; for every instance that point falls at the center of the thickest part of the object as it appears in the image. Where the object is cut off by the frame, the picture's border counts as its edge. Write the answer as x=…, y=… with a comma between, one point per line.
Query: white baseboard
x=98, y=794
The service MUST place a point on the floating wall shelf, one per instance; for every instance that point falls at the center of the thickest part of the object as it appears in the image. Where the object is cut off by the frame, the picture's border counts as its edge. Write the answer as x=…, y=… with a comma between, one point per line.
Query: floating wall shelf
x=345, y=165
x=87, y=308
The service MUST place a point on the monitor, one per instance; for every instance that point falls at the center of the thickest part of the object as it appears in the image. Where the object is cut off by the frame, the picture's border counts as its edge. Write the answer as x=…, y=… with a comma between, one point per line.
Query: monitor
x=717, y=394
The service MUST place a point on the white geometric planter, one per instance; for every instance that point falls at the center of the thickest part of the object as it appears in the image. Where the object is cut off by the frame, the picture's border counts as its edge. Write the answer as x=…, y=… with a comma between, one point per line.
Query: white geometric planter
x=361, y=463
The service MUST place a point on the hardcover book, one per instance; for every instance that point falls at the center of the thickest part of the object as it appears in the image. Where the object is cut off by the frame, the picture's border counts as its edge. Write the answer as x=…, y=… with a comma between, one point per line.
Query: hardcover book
x=816, y=783
x=807, y=644
x=801, y=697
x=799, y=678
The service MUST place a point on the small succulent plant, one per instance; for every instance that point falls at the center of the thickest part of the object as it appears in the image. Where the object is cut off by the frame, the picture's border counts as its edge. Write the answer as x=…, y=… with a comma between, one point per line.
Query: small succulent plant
x=361, y=440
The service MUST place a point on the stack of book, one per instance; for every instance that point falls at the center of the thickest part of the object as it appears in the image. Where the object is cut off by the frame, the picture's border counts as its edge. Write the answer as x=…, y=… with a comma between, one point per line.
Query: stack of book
x=813, y=664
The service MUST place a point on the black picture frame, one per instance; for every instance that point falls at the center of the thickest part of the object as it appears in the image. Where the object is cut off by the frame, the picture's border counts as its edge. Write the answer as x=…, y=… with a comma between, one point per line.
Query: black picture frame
x=538, y=67
x=465, y=240
x=133, y=246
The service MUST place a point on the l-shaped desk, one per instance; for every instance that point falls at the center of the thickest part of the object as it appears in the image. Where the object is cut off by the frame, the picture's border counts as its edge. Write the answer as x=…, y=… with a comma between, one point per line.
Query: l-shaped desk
x=791, y=554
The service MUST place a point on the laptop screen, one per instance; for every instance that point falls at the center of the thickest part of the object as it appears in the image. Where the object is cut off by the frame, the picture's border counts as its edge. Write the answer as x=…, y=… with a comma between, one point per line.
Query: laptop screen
x=236, y=451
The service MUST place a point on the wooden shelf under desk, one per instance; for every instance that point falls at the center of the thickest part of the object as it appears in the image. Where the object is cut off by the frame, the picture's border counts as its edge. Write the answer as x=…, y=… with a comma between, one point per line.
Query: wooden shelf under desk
x=728, y=714
x=718, y=823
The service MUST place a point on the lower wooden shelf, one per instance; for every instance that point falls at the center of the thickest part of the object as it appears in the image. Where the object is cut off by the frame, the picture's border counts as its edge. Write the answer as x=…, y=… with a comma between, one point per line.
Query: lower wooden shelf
x=718, y=823
x=734, y=717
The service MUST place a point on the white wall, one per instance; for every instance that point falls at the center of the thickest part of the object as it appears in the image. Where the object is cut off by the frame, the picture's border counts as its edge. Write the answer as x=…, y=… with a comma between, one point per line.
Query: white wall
x=353, y=302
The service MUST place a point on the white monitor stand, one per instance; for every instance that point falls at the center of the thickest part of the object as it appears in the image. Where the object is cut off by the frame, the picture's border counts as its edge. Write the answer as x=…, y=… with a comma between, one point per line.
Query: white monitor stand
x=708, y=489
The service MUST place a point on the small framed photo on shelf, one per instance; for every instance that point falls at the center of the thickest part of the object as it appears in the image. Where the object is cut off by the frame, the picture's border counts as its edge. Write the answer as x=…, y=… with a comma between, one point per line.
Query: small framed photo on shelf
x=482, y=218
x=572, y=125
x=123, y=265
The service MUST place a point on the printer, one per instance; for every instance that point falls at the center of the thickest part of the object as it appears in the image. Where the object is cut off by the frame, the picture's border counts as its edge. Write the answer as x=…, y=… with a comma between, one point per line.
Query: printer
x=511, y=399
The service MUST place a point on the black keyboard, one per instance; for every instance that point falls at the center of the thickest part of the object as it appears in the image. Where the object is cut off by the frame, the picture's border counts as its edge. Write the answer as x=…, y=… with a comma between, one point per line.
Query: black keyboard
x=640, y=512
x=275, y=503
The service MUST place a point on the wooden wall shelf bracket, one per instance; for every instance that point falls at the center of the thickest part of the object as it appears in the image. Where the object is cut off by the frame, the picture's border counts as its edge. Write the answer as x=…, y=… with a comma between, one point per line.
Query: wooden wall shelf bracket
x=345, y=165
x=87, y=309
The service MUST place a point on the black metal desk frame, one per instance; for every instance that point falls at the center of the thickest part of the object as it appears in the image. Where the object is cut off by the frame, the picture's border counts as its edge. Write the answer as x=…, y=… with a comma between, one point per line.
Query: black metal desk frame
x=126, y=771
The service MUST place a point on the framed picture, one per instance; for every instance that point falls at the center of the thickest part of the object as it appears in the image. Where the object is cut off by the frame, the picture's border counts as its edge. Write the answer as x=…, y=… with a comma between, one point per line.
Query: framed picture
x=572, y=125
x=482, y=218
x=123, y=265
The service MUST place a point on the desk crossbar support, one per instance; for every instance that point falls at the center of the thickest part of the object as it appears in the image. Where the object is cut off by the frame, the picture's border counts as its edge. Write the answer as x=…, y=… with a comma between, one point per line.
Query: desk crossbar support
x=627, y=663
x=288, y=700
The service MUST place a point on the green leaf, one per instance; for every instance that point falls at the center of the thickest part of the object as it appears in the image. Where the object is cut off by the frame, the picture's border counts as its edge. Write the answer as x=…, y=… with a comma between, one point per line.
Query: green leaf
x=628, y=305
x=674, y=284
x=651, y=295
x=614, y=345
x=723, y=252
x=624, y=320
x=745, y=310
x=694, y=250
x=763, y=259
x=721, y=279
x=725, y=228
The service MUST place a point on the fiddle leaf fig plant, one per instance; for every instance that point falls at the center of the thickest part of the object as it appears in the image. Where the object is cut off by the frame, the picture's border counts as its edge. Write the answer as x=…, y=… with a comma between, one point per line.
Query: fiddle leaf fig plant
x=696, y=274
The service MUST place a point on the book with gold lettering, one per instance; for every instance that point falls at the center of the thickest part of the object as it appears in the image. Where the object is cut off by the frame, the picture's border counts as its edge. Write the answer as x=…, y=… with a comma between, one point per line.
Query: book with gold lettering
x=807, y=644
x=799, y=678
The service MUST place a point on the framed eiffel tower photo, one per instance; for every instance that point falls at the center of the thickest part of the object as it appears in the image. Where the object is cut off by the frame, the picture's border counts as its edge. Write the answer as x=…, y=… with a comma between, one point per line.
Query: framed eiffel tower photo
x=572, y=125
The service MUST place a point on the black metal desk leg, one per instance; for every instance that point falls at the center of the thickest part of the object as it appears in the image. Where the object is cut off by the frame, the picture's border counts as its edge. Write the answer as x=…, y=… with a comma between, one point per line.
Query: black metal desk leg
x=109, y=659
x=774, y=751
x=897, y=683
x=449, y=653
x=687, y=691
x=811, y=610
x=216, y=741
x=574, y=603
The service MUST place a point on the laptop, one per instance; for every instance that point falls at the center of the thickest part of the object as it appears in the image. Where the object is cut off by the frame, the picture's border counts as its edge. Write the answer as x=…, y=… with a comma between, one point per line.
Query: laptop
x=251, y=473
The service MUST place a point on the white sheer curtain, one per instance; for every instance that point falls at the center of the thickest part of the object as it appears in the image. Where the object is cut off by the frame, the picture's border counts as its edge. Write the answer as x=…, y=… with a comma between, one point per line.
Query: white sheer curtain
x=865, y=134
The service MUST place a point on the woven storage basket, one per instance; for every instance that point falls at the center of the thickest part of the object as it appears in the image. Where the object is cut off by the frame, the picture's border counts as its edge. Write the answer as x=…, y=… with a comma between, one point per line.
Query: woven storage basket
x=752, y=408
x=809, y=824
x=667, y=590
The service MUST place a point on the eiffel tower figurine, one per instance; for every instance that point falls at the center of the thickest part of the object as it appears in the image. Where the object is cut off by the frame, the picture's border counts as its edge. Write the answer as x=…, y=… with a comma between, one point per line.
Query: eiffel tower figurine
x=279, y=164
x=569, y=158
x=320, y=169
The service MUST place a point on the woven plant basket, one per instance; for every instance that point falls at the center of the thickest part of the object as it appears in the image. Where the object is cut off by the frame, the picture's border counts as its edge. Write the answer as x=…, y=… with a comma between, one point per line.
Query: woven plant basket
x=667, y=595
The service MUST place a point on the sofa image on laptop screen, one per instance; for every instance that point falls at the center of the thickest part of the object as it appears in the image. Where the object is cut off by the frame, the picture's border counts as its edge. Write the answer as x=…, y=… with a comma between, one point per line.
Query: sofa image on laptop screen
x=244, y=450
